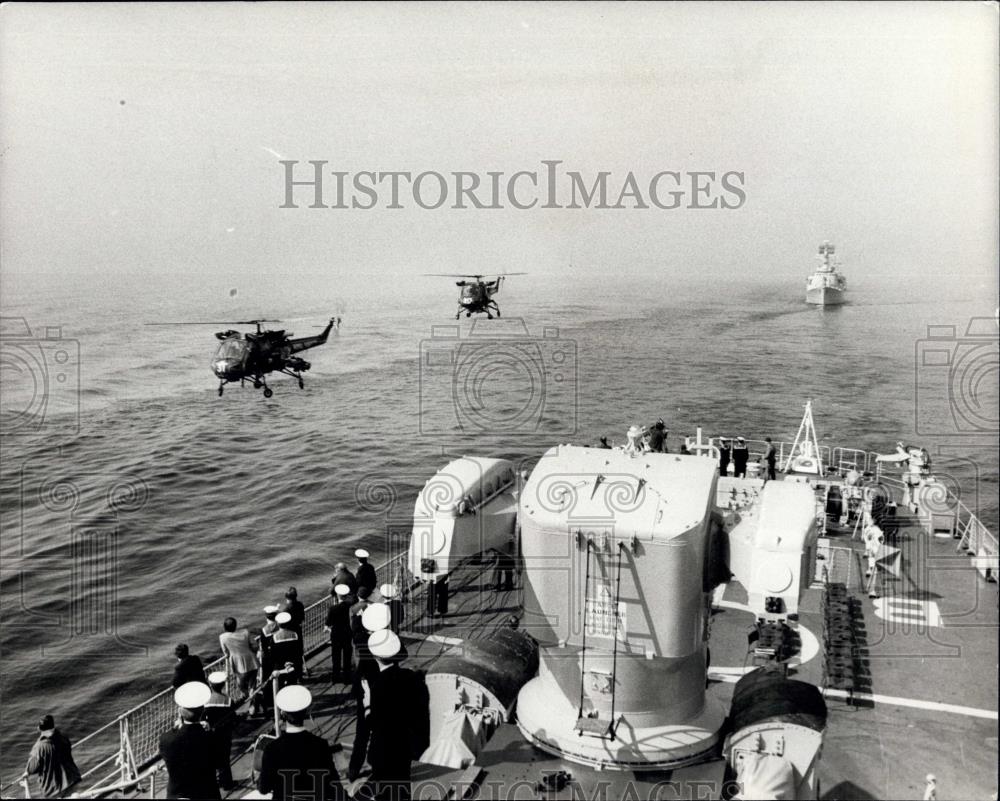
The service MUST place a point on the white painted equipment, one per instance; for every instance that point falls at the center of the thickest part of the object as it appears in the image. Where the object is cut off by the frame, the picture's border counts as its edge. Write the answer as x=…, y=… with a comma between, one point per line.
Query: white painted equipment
x=615, y=580
x=466, y=508
x=773, y=547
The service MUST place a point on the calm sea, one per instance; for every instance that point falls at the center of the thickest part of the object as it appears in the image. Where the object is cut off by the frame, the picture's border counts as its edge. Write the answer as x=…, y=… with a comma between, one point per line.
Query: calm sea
x=140, y=509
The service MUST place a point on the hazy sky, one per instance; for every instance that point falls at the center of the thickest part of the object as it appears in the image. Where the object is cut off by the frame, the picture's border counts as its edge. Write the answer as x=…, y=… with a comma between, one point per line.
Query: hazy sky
x=146, y=139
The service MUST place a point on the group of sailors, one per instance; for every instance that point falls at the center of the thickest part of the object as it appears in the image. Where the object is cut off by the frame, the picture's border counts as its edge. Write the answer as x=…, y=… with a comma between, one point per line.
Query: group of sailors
x=653, y=439
x=392, y=717
x=736, y=451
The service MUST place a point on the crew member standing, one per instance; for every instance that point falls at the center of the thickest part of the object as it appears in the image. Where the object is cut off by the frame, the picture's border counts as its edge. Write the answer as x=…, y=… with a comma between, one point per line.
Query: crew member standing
x=399, y=719
x=375, y=618
x=298, y=765
x=771, y=457
x=724, y=453
x=287, y=650
x=741, y=455
x=294, y=608
x=357, y=610
x=366, y=572
x=397, y=612
x=51, y=759
x=344, y=576
x=658, y=437
x=338, y=624
x=220, y=715
x=265, y=644
x=188, y=667
x=187, y=748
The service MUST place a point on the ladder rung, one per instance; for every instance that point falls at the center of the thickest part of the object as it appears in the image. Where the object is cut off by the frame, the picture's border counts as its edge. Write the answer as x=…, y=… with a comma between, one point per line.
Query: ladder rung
x=593, y=727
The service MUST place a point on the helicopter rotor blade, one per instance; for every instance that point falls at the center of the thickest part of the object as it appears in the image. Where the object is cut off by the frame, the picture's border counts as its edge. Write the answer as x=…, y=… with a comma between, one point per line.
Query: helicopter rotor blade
x=468, y=275
x=217, y=322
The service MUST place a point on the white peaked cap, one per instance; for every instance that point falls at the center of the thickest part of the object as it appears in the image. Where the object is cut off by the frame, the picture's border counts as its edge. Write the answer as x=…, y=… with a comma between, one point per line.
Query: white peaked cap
x=192, y=695
x=375, y=617
x=387, y=591
x=293, y=698
x=217, y=677
x=384, y=644
x=271, y=609
x=361, y=553
x=342, y=589
x=283, y=617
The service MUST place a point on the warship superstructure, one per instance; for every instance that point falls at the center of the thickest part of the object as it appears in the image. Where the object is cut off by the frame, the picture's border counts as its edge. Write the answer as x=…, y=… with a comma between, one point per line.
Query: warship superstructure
x=826, y=286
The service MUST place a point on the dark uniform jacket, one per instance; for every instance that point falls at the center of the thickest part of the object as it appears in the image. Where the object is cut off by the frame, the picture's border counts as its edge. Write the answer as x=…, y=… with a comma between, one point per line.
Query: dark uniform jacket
x=287, y=647
x=338, y=618
x=51, y=760
x=397, y=614
x=188, y=669
x=295, y=608
x=346, y=577
x=366, y=576
x=190, y=762
x=298, y=765
x=220, y=715
x=266, y=641
x=740, y=458
x=357, y=627
x=400, y=722
x=656, y=438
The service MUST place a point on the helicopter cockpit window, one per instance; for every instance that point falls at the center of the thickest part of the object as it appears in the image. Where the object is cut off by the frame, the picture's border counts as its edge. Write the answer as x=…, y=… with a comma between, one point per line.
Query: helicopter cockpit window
x=232, y=348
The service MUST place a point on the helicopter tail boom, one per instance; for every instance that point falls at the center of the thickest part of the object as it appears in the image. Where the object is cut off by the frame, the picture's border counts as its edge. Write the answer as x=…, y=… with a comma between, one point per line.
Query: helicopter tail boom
x=304, y=343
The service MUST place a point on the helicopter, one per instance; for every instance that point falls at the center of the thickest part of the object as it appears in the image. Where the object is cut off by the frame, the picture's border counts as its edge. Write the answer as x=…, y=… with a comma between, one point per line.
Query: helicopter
x=477, y=295
x=251, y=356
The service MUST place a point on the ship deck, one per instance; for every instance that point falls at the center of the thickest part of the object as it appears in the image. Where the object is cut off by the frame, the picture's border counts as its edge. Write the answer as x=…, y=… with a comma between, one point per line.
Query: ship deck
x=924, y=699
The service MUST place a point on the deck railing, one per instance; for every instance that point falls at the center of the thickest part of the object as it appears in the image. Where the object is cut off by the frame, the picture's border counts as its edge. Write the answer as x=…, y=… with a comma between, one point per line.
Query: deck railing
x=122, y=751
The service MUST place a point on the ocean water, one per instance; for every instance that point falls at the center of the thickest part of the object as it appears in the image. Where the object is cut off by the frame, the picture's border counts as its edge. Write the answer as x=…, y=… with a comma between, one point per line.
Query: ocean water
x=139, y=509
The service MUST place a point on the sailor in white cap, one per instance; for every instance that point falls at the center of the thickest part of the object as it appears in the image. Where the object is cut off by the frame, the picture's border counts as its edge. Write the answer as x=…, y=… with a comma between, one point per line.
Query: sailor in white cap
x=366, y=572
x=399, y=717
x=187, y=749
x=725, y=453
x=338, y=624
x=298, y=763
x=265, y=646
x=287, y=650
x=397, y=612
x=220, y=715
x=376, y=617
x=741, y=455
